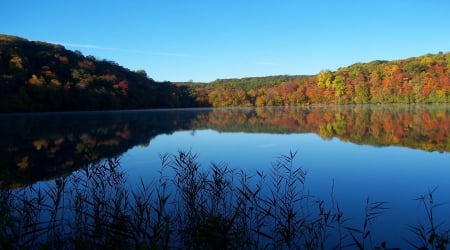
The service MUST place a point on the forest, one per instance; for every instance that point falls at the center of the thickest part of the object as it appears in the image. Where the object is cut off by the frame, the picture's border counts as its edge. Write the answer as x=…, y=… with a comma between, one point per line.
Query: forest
x=423, y=79
x=38, y=76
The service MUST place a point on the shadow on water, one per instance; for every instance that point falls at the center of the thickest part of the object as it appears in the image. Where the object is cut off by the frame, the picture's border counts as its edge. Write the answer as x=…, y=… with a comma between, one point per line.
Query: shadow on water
x=188, y=207
x=43, y=146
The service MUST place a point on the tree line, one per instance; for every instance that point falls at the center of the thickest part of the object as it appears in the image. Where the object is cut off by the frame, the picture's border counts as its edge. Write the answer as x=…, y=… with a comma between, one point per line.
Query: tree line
x=39, y=76
x=423, y=79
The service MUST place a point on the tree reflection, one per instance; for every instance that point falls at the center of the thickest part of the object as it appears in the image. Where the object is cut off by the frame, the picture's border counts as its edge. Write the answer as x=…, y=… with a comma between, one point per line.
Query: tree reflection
x=45, y=146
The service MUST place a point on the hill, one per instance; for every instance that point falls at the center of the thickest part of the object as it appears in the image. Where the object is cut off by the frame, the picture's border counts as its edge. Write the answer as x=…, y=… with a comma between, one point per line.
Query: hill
x=39, y=76
x=423, y=79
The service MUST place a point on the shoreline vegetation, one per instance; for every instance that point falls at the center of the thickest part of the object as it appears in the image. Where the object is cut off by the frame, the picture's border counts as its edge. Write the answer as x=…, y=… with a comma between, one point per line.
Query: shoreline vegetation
x=43, y=77
x=189, y=207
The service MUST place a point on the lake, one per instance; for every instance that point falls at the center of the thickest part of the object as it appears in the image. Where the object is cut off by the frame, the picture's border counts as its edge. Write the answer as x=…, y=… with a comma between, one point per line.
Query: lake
x=389, y=153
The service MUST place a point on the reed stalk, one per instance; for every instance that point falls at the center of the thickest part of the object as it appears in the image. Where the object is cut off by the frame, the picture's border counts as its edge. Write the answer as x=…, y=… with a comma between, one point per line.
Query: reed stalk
x=193, y=207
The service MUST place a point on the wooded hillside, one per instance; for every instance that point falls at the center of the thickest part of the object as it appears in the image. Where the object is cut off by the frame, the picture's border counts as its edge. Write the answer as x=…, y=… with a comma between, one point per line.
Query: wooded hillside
x=423, y=79
x=39, y=76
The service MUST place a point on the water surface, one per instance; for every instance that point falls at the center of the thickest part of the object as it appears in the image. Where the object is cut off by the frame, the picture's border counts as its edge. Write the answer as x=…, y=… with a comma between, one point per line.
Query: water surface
x=384, y=153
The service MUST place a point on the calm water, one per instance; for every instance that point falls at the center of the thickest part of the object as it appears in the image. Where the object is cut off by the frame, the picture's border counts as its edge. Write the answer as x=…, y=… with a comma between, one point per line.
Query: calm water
x=386, y=153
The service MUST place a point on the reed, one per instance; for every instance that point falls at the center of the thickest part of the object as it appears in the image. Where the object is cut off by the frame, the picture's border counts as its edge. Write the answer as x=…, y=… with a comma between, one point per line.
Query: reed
x=192, y=207
x=429, y=235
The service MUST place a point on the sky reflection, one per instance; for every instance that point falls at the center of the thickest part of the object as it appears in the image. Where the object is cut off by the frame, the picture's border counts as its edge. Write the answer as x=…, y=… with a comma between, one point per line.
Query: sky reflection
x=393, y=174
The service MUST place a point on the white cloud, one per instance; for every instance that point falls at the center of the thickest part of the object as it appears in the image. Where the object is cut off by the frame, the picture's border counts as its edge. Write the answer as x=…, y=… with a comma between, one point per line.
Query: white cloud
x=85, y=46
x=96, y=47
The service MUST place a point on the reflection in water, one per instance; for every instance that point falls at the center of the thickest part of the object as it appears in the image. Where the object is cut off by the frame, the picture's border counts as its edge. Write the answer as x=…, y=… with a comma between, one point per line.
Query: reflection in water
x=43, y=146
x=413, y=126
x=47, y=146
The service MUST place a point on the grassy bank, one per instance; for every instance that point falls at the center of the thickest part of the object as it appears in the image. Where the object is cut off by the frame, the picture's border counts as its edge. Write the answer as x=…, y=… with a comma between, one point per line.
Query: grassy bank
x=189, y=207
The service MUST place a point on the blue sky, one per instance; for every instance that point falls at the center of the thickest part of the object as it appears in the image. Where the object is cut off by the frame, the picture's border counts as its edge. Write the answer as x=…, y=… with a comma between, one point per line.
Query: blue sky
x=182, y=40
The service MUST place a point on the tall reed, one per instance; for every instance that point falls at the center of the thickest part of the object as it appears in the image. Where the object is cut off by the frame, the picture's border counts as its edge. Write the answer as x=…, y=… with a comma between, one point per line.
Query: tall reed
x=429, y=235
x=190, y=206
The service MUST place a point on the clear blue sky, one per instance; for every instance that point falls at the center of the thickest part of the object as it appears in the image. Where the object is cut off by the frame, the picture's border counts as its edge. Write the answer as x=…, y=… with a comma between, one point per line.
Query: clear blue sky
x=181, y=40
